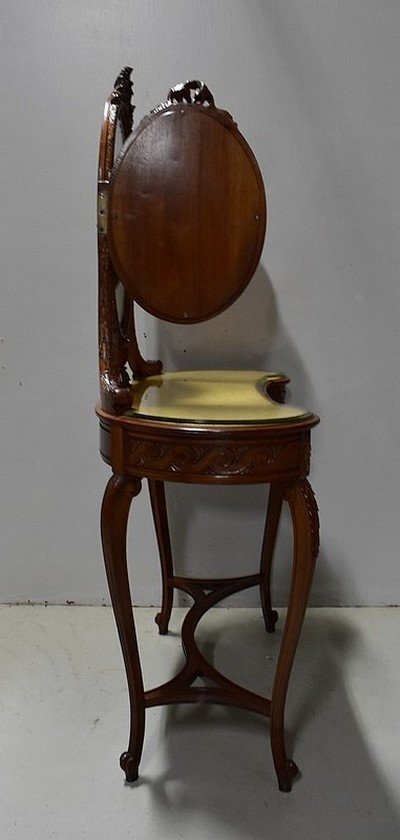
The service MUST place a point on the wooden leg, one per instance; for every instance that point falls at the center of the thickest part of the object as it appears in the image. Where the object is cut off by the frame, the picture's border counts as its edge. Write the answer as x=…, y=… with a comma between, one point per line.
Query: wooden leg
x=159, y=508
x=306, y=534
x=267, y=552
x=114, y=520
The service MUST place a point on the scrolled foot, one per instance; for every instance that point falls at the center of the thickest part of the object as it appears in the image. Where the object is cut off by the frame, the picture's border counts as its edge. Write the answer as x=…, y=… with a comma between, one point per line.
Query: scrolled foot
x=286, y=776
x=162, y=624
x=129, y=766
x=270, y=618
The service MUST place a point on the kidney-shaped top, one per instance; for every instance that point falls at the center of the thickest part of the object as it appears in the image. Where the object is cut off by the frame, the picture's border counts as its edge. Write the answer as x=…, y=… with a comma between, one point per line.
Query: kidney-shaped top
x=187, y=213
x=212, y=397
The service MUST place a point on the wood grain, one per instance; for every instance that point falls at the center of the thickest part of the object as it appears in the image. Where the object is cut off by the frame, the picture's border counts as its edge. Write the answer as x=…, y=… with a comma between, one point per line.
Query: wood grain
x=183, y=226
x=187, y=213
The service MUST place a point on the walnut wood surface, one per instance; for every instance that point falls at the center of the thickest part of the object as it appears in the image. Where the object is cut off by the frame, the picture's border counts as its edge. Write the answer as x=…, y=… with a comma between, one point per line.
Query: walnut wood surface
x=303, y=508
x=118, y=344
x=203, y=454
x=114, y=519
x=267, y=551
x=187, y=213
x=159, y=510
x=185, y=232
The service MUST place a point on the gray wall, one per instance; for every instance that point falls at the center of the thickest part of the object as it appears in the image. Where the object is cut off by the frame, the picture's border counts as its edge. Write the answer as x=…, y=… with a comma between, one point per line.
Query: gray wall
x=314, y=87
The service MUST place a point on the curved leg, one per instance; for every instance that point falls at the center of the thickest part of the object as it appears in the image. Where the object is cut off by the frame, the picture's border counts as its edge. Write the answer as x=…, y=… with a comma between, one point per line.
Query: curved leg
x=114, y=520
x=305, y=529
x=159, y=508
x=267, y=551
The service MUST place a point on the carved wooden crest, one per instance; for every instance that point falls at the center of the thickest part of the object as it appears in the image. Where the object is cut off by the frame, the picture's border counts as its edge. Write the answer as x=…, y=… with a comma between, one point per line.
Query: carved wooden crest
x=192, y=92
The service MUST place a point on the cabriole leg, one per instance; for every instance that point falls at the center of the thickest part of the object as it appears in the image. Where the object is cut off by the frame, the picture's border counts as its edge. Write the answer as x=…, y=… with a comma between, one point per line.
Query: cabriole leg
x=114, y=520
x=300, y=498
x=159, y=508
x=267, y=552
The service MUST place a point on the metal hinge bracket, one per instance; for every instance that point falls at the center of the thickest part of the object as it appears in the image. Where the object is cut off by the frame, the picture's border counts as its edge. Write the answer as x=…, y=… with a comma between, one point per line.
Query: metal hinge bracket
x=102, y=206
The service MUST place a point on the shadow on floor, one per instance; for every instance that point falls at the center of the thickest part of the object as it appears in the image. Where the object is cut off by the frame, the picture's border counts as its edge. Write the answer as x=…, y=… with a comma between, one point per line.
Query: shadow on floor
x=219, y=767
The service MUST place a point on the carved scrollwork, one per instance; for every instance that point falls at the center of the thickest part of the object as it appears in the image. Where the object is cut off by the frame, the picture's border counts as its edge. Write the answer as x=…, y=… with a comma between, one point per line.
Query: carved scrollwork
x=122, y=92
x=306, y=458
x=312, y=510
x=192, y=92
x=202, y=459
x=118, y=345
x=304, y=488
x=112, y=348
x=118, y=113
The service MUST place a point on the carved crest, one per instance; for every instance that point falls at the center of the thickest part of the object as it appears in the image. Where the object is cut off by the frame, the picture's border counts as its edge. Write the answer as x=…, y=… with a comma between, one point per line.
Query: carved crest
x=122, y=93
x=192, y=92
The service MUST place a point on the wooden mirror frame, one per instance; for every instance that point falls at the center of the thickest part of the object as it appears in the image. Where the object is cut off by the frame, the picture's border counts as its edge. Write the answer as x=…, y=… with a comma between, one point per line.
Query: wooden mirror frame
x=118, y=346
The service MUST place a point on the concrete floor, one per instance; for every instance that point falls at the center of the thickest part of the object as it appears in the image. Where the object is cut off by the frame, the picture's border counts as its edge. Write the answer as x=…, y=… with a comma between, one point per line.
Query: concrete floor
x=206, y=772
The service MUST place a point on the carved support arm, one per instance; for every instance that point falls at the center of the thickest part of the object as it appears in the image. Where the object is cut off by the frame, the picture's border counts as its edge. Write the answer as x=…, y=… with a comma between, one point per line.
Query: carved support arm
x=118, y=346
